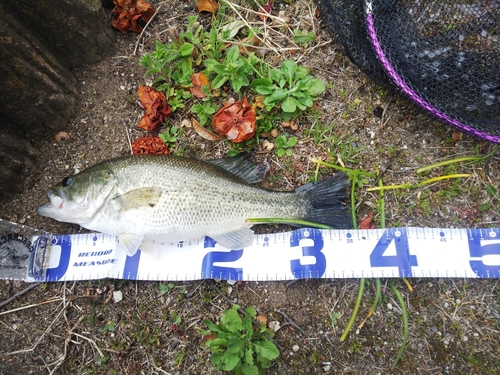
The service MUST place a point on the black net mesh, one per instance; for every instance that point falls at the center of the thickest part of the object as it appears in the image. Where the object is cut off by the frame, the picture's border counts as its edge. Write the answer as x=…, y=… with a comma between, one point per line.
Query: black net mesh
x=443, y=54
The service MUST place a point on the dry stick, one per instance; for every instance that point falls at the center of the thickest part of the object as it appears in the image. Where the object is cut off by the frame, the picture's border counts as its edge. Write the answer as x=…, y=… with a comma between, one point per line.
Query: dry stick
x=67, y=340
x=40, y=338
x=29, y=306
x=291, y=322
x=240, y=310
x=247, y=25
x=145, y=27
x=18, y=294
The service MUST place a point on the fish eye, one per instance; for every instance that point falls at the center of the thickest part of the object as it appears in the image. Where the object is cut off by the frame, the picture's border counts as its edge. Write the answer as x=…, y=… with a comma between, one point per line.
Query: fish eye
x=67, y=181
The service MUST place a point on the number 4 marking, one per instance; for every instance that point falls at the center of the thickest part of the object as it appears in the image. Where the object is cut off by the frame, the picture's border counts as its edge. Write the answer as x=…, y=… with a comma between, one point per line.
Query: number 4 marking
x=403, y=260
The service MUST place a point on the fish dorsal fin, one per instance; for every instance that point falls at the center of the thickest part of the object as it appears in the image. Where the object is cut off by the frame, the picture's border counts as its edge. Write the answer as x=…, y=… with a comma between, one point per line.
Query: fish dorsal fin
x=137, y=198
x=236, y=239
x=130, y=242
x=242, y=166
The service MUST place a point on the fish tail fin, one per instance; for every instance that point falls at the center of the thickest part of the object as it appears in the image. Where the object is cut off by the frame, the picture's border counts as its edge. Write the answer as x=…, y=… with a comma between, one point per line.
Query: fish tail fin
x=329, y=201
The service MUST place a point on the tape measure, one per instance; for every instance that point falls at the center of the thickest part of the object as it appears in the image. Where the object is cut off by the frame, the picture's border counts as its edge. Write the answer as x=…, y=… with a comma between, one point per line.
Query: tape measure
x=299, y=254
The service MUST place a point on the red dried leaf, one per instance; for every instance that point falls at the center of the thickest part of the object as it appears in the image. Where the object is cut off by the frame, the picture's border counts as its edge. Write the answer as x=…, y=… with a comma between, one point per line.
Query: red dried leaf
x=131, y=15
x=367, y=222
x=149, y=145
x=267, y=10
x=198, y=80
x=235, y=120
x=156, y=107
x=207, y=6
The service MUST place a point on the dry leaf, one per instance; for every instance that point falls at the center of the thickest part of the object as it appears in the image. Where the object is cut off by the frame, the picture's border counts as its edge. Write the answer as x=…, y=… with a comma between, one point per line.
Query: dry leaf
x=457, y=136
x=367, y=222
x=149, y=145
x=267, y=10
x=235, y=120
x=198, y=80
x=204, y=133
x=131, y=15
x=156, y=107
x=207, y=6
x=262, y=319
x=62, y=136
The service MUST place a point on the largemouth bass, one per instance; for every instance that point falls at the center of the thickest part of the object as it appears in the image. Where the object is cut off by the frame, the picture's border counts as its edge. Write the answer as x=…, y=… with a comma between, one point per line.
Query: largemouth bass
x=140, y=197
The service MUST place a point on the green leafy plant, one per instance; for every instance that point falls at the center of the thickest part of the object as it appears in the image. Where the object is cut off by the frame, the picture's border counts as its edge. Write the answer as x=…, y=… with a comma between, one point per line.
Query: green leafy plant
x=236, y=346
x=284, y=145
x=165, y=288
x=171, y=135
x=303, y=37
x=234, y=70
x=291, y=87
x=204, y=111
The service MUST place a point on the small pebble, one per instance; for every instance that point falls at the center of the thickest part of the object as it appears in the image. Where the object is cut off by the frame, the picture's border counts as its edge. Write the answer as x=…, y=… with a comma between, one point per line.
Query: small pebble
x=389, y=306
x=231, y=282
x=117, y=296
x=274, y=325
x=295, y=348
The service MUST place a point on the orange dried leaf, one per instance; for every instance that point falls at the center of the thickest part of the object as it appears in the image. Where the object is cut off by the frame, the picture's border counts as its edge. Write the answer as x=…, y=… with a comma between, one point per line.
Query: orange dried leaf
x=367, y=222
x=149, y=145
x=156, y=107
x=235, y=120
x=204, y=133
x=262, y=319
x=62, y=136
x=457, y=136
x=198, y=80
x=131, y=15
x=207, y=6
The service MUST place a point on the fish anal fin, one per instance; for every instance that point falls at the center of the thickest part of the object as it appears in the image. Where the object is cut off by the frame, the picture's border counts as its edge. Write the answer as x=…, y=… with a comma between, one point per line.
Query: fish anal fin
x=236, y=239
x=130, y=242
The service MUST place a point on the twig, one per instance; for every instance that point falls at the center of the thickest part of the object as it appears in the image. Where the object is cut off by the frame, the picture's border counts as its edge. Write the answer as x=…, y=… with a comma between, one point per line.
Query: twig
x=18, y=294
x=29, y=306
x=145, y=27
x=291, y=322
x=153, y=365
x=40, y=338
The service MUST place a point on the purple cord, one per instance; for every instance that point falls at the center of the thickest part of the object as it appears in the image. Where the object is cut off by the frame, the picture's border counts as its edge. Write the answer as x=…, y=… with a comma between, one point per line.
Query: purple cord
x=398, y=81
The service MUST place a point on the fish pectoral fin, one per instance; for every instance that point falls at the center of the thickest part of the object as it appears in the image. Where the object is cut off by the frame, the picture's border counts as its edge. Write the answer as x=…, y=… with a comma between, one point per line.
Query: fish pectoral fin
x=130, y=242
x=236, y=239
x=142, y=197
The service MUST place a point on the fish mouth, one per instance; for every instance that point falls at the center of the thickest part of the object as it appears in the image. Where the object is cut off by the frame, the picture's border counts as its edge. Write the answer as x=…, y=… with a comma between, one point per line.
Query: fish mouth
x=57, y=200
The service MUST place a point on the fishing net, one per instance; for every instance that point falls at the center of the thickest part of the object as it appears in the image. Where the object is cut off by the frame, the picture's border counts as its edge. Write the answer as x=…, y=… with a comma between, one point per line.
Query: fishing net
x=444, y=55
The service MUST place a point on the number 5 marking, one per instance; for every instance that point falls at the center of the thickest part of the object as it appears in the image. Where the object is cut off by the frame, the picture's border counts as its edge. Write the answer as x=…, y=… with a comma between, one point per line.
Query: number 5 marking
x=478, y=248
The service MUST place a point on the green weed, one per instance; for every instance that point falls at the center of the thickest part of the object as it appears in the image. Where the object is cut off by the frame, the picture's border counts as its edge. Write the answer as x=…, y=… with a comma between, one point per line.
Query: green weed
x=237, y=346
